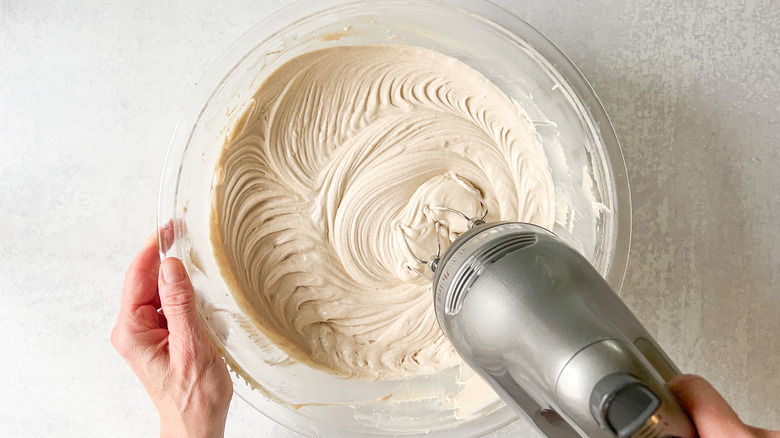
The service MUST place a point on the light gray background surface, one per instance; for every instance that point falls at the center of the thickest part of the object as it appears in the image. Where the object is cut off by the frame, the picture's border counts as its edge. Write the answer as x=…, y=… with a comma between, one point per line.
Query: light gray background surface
x=90, y=92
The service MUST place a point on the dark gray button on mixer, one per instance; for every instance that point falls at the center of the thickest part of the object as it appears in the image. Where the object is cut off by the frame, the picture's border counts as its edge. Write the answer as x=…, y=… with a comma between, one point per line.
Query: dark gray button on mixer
x=622, y=404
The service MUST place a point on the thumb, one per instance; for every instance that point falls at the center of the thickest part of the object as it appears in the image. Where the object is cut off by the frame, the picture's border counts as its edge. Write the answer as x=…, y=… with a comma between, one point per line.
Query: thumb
x=178, y=304
x=709, y=411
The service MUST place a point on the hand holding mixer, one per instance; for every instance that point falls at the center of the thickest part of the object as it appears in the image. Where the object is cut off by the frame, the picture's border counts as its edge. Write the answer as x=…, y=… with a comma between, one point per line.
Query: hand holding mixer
x=545, y=330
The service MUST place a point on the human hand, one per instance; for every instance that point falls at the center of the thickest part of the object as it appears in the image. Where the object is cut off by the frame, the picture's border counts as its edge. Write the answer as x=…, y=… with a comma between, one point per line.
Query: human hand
x=170, y=352
x=712, y=416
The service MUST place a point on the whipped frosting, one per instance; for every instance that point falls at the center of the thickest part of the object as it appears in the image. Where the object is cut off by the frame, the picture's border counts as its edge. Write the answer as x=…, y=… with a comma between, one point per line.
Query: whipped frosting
x=335, y=161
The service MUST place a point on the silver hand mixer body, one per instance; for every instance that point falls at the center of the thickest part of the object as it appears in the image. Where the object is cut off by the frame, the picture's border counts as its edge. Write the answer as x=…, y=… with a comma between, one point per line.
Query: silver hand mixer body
x=537, y=321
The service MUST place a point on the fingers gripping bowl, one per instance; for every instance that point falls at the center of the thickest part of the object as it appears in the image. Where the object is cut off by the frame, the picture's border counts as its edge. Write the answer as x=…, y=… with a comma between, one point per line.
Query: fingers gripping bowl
x=591, y=199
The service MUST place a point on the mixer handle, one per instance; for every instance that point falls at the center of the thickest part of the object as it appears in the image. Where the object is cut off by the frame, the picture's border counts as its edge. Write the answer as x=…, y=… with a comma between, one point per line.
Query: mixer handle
x=657, y=358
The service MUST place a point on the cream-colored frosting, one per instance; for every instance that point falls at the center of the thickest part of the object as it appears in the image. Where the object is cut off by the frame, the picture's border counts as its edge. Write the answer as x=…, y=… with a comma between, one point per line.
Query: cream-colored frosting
x=337, y=156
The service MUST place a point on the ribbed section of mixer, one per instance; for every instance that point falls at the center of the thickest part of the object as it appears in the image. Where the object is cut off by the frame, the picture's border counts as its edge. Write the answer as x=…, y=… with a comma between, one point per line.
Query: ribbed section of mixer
x=473, y=267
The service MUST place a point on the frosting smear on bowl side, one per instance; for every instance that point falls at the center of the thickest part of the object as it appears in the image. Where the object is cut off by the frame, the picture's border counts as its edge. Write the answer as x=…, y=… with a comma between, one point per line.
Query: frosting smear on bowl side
x=334, y=161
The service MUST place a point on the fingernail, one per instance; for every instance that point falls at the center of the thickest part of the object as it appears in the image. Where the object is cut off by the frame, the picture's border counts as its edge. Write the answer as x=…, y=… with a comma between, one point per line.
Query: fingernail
x=172, y=271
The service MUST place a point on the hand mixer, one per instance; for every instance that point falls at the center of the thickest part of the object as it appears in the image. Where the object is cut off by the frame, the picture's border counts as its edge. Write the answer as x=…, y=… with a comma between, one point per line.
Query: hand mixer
x=545, y=330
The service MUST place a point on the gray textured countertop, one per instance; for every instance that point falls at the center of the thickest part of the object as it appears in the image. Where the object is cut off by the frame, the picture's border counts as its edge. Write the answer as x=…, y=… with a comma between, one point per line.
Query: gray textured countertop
x=90, y=92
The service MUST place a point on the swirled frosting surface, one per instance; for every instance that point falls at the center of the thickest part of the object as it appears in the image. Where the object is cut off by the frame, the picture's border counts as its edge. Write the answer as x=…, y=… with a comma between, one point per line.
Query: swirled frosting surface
x=336, y=159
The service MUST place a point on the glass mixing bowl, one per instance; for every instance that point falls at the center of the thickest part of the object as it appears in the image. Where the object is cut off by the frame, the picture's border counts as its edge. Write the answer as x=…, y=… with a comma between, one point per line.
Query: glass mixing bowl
x=591, y=195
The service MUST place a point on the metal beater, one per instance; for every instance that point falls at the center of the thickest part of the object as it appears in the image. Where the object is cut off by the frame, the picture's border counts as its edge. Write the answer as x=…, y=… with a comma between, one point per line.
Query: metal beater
x=545, y=330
